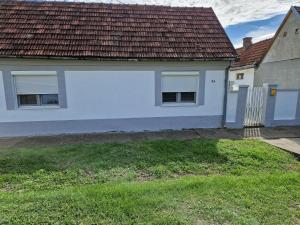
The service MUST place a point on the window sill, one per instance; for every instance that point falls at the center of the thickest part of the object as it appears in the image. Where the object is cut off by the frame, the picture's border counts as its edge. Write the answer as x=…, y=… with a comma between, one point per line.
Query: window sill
x=38, y=107
x=179, y=105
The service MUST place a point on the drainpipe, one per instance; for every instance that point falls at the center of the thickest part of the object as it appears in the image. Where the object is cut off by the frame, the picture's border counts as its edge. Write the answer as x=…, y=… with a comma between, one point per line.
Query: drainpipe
x=225, y=95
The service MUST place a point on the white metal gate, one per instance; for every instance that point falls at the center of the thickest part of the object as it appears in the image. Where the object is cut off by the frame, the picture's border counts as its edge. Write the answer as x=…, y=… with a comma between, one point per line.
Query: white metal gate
x=255, y=107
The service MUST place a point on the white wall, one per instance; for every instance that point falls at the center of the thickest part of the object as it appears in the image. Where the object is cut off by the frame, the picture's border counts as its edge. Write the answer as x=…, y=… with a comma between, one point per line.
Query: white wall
x=248, y=76
x=286, y=105
x=117, y=94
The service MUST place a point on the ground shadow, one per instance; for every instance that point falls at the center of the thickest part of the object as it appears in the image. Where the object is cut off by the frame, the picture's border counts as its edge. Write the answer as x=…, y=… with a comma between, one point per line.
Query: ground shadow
x=106, y=156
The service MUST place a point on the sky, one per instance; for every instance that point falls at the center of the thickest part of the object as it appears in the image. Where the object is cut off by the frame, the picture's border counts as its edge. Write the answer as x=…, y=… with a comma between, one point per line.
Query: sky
x=240, y=18
x=258, y=29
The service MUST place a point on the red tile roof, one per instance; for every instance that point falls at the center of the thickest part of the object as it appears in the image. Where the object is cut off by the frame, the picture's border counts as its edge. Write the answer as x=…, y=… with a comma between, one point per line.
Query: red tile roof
x=109, y=31
x=253, y=55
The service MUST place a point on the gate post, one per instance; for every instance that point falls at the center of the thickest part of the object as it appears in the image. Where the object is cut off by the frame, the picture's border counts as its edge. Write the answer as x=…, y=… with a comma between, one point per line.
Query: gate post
x=270, y=105
x=240, y=108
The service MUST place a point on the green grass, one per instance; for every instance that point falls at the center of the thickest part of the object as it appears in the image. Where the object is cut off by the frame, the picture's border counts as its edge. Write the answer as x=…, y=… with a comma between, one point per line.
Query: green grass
x=154, y=182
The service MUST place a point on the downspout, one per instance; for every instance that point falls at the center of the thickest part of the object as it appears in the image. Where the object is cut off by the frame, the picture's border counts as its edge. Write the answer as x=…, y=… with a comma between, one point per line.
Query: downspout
x=225, y=95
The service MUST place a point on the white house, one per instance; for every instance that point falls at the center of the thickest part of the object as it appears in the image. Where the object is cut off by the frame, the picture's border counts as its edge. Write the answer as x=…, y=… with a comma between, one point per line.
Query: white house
x=243, y=70
x=91, y=67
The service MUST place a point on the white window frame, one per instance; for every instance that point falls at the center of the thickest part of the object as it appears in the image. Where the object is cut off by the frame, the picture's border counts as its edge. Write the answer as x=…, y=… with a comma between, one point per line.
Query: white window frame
x=34, y=73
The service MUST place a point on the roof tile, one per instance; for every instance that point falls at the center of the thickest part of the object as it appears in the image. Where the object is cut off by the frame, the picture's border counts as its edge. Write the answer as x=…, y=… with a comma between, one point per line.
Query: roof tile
x=252, y=55
x=80, y=30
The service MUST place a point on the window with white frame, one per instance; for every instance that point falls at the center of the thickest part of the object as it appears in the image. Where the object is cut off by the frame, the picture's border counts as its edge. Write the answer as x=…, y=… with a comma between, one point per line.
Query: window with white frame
x=179, y=87
x=36, y=88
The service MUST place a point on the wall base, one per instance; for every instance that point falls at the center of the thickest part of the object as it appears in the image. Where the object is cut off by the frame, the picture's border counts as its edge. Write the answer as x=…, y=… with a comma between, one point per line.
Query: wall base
x=39, y=128
x=234, y=125
x=277, y=123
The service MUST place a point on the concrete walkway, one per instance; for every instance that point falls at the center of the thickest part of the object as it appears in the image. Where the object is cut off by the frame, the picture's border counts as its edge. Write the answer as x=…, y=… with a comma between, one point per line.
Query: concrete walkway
x=283, y=137
x=288, y=144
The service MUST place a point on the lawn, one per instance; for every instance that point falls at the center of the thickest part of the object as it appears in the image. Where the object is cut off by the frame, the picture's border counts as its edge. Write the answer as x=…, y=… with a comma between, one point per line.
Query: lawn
x=154, y=182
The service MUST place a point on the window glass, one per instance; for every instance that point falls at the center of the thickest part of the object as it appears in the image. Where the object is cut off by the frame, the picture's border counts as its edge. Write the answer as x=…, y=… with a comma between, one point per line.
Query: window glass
x=36, y=90
x=49, y=99
x=240, y=76
x=188, y=96
x=285, y=34
x=28, y=99
x=169, y=97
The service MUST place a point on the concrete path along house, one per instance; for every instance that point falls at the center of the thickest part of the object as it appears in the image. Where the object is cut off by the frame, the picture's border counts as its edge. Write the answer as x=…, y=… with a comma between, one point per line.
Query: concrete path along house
x=287, y=138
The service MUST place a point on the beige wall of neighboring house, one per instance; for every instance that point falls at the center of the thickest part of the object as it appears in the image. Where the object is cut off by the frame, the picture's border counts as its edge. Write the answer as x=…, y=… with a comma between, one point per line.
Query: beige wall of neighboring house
x=281, y=65
x=287, y=43
x=286, y=74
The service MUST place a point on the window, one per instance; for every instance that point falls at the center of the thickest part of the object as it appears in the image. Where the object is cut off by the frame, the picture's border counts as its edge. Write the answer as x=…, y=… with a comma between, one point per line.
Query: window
x=179, y=97
x=36, y=90
x=37, y=100
x=27, y=99
x=49, y=99
x=169, y=96
x=239, y=76
x=284, y=34
x=188, y=97
x=179, y=87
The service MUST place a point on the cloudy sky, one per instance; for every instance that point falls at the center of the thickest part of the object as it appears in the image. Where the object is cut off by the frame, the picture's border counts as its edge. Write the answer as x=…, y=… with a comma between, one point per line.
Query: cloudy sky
x=257, y=18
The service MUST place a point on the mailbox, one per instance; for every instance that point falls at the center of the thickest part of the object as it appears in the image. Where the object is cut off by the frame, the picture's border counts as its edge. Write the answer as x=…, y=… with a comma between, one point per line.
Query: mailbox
x=273, y=91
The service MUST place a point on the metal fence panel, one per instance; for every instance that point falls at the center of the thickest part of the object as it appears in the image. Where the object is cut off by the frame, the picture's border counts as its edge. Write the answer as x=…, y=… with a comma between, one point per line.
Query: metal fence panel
x=255, y=107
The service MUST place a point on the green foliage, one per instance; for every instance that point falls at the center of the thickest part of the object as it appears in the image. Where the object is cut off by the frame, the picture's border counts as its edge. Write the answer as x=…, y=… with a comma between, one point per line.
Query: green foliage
x=154, y=182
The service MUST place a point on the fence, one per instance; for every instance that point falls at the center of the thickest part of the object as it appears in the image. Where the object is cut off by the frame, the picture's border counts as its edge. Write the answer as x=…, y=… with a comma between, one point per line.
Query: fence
x=283, y=108
x=255, y=107
x=258, y=106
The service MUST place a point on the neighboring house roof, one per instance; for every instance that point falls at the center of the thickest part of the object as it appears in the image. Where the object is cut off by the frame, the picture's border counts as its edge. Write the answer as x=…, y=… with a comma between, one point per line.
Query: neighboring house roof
x=109, y=31
x=253, y=55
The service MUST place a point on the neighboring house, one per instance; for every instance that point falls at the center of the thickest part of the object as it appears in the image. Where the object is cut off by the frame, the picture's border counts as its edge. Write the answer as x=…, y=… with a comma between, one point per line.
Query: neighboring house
x=243, y=70
x=281, y=64
x=91, y=67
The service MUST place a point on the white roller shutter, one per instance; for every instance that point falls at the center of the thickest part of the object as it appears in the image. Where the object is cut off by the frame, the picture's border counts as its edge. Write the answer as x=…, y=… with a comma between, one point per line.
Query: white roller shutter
x=27, y=84
x=179, y=83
